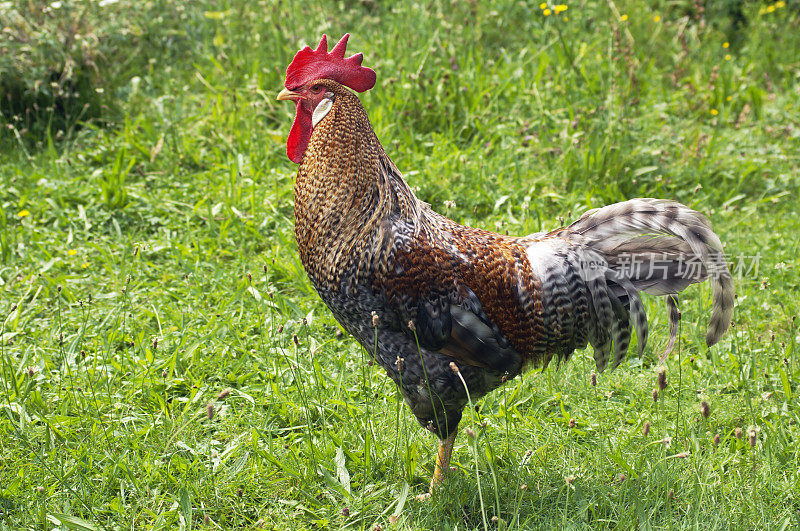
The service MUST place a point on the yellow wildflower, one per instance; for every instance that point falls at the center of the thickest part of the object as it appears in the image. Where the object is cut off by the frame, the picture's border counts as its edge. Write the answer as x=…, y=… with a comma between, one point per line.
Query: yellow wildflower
x=725, y=44
x=543, y=5
x=727, y=57
x=714, y=112
x=560, y=8
x=72, y=252
x=770, y=9
x=216, y=15
x=780, y=4
x=728, y=98
x=23, y=213
x=546, y=12
x=623, y=18
x=657, y=18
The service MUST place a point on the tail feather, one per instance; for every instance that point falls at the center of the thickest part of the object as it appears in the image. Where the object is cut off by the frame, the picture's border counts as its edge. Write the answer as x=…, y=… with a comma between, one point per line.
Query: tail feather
x=638, y=316
x=655, y=246
x=621, y=331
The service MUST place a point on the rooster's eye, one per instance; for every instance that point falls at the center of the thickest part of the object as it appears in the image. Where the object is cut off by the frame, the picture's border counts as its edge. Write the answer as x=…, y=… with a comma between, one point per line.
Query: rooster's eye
x=316, y=89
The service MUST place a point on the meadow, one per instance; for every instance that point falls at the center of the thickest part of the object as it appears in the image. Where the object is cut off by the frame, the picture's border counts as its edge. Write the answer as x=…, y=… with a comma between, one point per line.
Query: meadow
x=166, y=364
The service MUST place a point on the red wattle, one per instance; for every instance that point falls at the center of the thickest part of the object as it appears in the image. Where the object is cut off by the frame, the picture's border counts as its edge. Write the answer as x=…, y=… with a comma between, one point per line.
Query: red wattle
x=300, y=134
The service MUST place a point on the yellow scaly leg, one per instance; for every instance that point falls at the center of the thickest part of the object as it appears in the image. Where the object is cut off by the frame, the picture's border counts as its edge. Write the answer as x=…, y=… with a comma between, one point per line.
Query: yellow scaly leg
x=443, y=460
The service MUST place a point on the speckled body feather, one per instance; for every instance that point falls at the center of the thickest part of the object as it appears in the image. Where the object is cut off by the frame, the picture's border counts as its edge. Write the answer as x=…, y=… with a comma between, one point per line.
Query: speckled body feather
x=420, y=291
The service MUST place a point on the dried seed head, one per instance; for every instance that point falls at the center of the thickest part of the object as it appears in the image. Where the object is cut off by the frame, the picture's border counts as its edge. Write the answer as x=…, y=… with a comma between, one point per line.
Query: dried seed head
x=40, y=489
x=346, y=512
x=594, y=379
x=646, y=428
x=31, y=372
x=224, y=394
x=662, y=379
x=705, y=409
x=400, y=363
x=716, y=439
x=571, y=423
x=375, y=319
x=495, y=519
x=470, y=433
x=280, y=329
x=164, y=373
x=570, y=479
x=155, y=343
x=210, y=411
x=392, y=519
x=412, y=326
x=682, y=455
x=249, y=278
x=528, y=453
x=655, y=395
x=239, y=492
x=751, y=438
x=454, y=367
x=523, y=486
x=622, y=477
x=296, y=340
x=738, y=433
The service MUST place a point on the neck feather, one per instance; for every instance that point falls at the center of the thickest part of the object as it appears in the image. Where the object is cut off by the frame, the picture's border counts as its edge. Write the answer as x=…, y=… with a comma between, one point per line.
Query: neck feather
x=346, y=187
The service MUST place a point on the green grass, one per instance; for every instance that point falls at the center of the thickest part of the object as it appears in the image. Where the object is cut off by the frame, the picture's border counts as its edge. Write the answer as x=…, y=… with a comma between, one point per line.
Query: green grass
x=149, y=264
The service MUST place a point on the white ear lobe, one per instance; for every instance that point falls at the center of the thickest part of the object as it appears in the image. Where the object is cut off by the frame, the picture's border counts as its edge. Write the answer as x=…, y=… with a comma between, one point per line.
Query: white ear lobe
x=321, y=111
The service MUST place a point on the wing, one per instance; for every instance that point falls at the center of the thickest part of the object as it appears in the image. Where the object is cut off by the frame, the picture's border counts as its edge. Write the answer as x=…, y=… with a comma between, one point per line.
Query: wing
x=464, y=332
x=459, y=292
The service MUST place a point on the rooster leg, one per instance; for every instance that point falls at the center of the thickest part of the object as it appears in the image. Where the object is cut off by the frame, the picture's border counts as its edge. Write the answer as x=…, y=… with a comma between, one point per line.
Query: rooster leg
x=443, y=460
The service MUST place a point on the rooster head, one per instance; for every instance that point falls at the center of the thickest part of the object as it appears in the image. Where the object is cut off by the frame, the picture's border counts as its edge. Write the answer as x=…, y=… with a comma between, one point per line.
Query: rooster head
x=312, y=99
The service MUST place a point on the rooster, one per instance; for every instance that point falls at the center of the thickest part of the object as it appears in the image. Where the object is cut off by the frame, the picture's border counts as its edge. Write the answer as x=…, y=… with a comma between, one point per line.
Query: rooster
x=452, y=312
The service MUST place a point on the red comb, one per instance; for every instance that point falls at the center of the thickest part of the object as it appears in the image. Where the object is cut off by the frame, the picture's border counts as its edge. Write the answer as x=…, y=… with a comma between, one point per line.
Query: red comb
x=311, y=64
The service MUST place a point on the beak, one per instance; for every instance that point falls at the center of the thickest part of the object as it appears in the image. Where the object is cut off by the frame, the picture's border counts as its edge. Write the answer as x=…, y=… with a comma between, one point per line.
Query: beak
x=287, y=94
